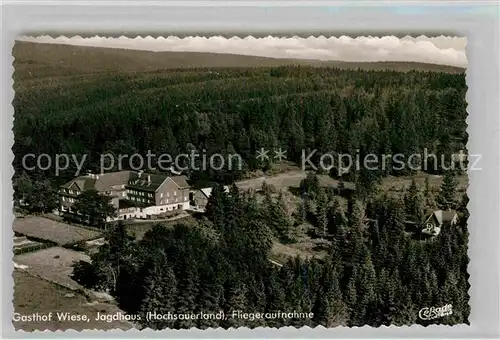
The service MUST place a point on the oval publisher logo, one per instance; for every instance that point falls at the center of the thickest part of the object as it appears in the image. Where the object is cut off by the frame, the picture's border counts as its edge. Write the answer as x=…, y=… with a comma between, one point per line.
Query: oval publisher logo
x=435, y=312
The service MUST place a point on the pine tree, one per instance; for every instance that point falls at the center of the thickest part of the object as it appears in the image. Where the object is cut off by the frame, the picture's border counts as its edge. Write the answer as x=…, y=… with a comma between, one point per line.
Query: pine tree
x=257, y=298
x=114, y=256
x=322, y=214
x=215, y=209
x=310, y=185
x=260, y=236
x=429, y=199
x=405, y=310
x=354, y=239
x=301, y=211
x=210, y=297
x=446, y=199
x=335, y=216
x=413, y=202
x=330, y=309
x=278, y=217
x=351, y=296
x=160, y=295
x=386, y=292
x=188, y=288
x=366, y=297
x=275, y=299
x=236, y=301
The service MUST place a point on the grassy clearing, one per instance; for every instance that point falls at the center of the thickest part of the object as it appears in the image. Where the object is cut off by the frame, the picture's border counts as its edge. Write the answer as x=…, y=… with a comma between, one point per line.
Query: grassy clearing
x=35, y=295
x=138, y=229
x=45, y=229
x=53, y=264
x=305, y=249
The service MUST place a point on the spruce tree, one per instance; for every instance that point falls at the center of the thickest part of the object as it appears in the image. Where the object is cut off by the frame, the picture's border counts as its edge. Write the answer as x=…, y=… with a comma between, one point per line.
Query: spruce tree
x=278, y=217
x=330, y=309
x=188, y=288
x=366, y=297
x=160, y=294
x=322, y=214
x=236, y=301
x=354, y=240
x=429, y=199
x=446, y=199
x=310, y=185
x=301, y=211
x=211, y=295
x=276, y=297
x=215, y=209
x=414, y=203
x=386, y=293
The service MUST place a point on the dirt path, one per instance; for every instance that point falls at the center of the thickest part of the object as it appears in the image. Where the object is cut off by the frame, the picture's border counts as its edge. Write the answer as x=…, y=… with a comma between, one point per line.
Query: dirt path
x=392, y=183
x=284, y=180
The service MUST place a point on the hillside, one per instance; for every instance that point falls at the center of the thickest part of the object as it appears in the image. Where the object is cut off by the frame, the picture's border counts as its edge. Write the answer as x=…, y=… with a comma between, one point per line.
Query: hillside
x=43, y=60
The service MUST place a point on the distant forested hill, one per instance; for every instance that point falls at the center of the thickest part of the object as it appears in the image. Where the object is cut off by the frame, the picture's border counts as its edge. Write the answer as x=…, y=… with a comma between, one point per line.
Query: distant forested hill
x=48, y=60
x=225, y=110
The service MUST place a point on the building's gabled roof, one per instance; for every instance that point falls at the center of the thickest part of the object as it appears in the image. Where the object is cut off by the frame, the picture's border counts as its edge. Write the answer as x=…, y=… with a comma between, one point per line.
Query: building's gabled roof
x=449, y=215
x=101, y=182
x=208, y=191
x=145, y=181
x=131, y=179
x=181, y=181
x=443, y=216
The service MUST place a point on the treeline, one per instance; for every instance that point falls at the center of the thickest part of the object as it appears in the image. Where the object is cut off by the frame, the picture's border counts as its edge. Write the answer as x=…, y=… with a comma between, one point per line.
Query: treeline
x=228, y=111
x=375, y=272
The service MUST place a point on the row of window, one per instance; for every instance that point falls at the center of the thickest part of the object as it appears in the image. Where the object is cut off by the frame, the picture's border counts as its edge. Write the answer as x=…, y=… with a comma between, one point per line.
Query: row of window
x=63, y=208
x=123, y=194
x=141, y=193
x=140, y=199
x=72, y=192
x=167, y=201
x=168, y=193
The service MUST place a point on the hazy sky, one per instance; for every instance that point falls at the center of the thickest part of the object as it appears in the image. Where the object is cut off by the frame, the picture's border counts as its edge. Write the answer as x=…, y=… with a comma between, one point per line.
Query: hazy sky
x=437, y=50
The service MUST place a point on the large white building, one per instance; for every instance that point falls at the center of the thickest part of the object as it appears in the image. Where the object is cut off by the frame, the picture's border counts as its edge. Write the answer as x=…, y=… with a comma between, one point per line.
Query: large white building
x=134, y=194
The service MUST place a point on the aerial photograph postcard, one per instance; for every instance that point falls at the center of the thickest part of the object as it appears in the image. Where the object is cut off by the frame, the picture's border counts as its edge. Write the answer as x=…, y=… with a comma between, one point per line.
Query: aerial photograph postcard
x=172, y=182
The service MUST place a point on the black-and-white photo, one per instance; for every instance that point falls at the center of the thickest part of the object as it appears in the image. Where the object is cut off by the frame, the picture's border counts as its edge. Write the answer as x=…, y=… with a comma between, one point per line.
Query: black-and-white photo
x=179, y=182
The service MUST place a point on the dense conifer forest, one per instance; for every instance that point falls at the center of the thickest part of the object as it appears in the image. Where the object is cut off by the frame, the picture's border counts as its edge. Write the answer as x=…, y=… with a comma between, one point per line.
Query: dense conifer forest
x=376, y=272
x=228, y=111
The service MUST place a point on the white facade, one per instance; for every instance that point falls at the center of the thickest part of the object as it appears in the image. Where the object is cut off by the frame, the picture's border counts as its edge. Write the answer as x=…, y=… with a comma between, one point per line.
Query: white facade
x=132, y=213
